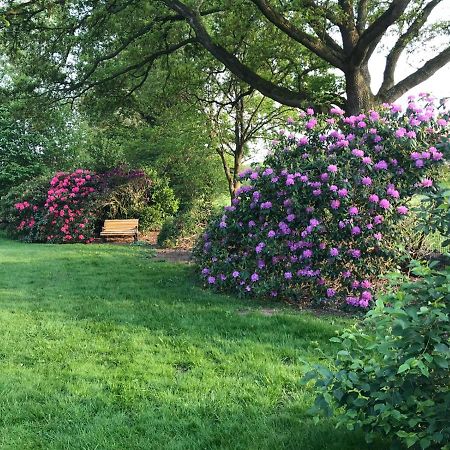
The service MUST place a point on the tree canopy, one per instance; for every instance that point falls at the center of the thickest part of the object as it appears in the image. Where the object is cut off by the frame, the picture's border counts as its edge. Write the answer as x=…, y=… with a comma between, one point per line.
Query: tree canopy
x=72, y=46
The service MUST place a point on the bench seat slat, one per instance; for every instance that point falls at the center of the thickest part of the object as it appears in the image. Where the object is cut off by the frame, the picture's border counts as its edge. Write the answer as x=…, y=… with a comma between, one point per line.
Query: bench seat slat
x=120, y=227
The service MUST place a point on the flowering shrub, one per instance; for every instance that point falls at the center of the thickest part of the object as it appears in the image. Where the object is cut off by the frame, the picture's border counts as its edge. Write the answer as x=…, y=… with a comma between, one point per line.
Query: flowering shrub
x=72, y=207
x=391, y=375
x=311, y=221
x=64, y=215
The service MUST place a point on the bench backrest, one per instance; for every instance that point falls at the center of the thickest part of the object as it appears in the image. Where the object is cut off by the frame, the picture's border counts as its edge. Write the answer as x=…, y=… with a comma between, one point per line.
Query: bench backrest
x=122, y=224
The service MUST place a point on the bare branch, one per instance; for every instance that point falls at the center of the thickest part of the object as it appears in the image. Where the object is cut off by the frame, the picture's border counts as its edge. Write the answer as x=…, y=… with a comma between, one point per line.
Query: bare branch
x=420, y=75
x=375, y=31
x=277, y=93
x=331, y=55
x=402, y=42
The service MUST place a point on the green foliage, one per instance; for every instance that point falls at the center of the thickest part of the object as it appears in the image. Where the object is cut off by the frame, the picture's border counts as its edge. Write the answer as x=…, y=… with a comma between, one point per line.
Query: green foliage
x=33, y=191
x=434, y=212
x=185, y=226
x=392, y=373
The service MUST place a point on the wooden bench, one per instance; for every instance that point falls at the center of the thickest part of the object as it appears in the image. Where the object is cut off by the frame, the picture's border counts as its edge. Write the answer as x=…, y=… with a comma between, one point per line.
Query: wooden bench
x=125, y=227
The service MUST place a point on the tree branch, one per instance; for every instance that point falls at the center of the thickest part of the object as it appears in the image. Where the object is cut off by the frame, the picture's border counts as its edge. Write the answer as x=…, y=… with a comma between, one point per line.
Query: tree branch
x=364, y=48
x=331, y=55
x=361, y=16
x=400, y=45
x=420, y=75
x=277, y=93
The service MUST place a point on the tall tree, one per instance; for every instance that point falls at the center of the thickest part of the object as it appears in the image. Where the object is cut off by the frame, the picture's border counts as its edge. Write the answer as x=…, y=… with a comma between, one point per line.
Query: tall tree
x=78, y=42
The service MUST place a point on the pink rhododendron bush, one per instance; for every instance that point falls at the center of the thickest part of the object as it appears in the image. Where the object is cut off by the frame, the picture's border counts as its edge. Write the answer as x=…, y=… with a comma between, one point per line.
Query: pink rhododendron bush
x=70, y=207
x=64, y=214
x=311, y=222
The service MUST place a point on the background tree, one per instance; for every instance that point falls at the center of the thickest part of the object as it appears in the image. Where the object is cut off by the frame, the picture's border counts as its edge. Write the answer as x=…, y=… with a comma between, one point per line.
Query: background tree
x=64, y=38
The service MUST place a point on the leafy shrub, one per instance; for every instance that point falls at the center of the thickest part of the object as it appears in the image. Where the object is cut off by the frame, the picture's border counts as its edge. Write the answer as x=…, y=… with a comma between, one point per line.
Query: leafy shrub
x=32, y=192
x=64, y=214
x=391, y=375
x=139, y=193
x=186, y=225
x=71, y=207
x=434, y=212
x=311, y=222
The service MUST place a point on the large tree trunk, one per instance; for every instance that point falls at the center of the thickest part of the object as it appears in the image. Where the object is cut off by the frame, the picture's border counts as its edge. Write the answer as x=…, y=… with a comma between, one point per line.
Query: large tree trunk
x=359, y=95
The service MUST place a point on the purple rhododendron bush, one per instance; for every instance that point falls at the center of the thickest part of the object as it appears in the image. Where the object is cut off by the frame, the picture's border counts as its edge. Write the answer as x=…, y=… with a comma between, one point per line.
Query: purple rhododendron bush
x=312, y=221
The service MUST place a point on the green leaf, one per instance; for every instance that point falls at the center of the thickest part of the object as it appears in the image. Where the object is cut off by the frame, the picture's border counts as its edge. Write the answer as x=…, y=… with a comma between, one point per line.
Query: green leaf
x=403, y=368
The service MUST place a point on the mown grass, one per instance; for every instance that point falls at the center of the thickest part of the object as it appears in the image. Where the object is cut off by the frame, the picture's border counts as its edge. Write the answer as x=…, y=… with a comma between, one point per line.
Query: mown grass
x=104, y=348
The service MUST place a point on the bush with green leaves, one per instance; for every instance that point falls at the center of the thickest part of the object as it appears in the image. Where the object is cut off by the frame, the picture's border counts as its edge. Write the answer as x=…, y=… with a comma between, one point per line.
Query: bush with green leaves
x=185, y=226
x=434, y=212
x=72, y=206
x=391, y=376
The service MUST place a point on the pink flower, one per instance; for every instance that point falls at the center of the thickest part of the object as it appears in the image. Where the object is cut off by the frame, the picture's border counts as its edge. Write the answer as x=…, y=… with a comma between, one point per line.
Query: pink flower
x=342, y=192
x=373, y=198
x=402, y=210
x=366, y=181
x=426, y=182
x=353, y=211
x=332, y=168
x=384, y=204
x=335, y=204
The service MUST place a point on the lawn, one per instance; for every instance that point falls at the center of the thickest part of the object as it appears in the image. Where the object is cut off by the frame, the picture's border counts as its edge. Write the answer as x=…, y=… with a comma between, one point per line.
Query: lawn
x=102, y=347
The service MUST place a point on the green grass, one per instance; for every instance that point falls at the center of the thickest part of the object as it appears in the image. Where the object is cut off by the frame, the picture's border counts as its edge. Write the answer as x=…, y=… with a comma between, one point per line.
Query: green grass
x=103, y=348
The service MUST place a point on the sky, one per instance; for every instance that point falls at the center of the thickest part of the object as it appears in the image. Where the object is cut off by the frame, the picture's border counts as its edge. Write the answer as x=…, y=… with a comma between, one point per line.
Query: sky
x=438, y=85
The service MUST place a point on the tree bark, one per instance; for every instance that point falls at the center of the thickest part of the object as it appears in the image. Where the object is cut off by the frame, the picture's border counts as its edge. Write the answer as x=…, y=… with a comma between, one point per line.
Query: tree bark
x=359, y=95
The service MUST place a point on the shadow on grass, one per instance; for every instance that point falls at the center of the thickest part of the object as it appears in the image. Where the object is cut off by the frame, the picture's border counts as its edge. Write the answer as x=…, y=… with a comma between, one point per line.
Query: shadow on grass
x=104, y=348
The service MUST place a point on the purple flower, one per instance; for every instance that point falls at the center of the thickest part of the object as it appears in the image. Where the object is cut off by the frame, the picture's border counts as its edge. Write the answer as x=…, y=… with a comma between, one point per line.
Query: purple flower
x=378, y=236
x=381, y=165
x=333, y=188
x=366, y=181
x=346, y=274
x=332, y=168
x=235, y=274
x=353, y=211
x=316, y=192
x=342, y=192
x=211, y=280
x=367, y=160
x=335, y=204
x=334, y=251
x=373, y=198
x=356, y=230
x=222, y=224
x=400, y=132
x=384, y=203
x=402, y=210
x=254, y=277
x=377, y=220
x=205, y=271
x=307, y=253
x=355, y=253
x=331, y=292
x=288, y=275
x=259, y=247
x=266, y=205
x=290, y=217
x=357, y=152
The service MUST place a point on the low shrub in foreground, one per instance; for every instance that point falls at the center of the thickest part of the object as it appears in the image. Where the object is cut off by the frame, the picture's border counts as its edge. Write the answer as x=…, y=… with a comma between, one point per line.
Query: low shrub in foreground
x=317, y=219
x=392, y=374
